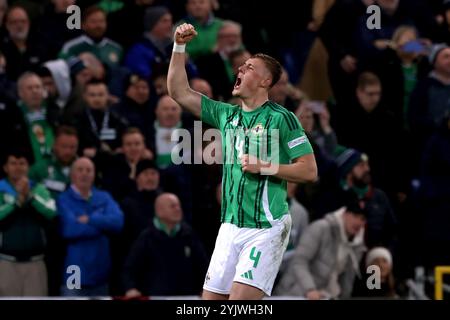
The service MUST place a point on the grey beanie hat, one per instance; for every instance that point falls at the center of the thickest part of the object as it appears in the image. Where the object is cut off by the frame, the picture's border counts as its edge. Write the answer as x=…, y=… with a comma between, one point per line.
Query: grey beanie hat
x=152, y=16
x=434, y=52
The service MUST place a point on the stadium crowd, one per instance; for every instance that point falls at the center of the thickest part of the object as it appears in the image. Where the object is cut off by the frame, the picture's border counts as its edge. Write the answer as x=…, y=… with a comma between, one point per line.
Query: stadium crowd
x=85, y=143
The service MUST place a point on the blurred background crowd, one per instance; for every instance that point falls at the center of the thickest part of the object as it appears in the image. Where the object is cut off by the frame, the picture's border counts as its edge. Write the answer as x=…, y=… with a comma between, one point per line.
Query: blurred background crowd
x=85, y=142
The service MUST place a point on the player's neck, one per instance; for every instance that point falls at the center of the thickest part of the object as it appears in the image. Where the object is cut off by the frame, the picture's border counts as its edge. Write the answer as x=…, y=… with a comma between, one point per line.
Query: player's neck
x=252, y=103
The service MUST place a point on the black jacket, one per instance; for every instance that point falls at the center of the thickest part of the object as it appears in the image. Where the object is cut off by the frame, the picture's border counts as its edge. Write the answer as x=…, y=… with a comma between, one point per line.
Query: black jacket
x=338, y=28
x=89, y=138
x=13, y=130
x=139, y=210
x=163, y=265
x=389, y=68
x=139, y=116
x=435, y=188
x=114, y=173
x=379, y=135
x=23, y=229
x=425, y=115
x=18, y=62
x=53, y=31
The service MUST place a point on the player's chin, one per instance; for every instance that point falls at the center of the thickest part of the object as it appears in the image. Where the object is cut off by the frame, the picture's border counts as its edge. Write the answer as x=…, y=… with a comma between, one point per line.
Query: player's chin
x=236, y=93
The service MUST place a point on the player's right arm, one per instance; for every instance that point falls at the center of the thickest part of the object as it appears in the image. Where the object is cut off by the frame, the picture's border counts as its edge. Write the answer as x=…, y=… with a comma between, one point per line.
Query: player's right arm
x=177, y=81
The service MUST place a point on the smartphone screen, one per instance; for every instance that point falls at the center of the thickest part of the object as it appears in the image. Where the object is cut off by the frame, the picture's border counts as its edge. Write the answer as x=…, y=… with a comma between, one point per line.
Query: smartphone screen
x=414, y=46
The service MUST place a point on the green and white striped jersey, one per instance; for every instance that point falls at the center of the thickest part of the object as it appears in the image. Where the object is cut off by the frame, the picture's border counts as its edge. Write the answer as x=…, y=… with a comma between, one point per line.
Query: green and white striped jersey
x=270, y=133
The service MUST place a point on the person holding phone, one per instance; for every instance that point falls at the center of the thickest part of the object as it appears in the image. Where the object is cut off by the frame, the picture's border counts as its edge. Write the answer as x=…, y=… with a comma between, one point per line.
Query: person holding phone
x=399, y=68
x=315, y=119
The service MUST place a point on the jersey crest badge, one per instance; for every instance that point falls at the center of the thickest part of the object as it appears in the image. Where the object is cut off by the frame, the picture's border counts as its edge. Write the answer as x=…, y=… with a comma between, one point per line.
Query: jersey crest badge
x=258, y=129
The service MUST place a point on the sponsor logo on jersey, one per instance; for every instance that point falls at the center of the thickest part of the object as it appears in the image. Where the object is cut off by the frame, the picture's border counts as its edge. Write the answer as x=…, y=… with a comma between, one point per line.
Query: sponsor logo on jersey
x=297, y=141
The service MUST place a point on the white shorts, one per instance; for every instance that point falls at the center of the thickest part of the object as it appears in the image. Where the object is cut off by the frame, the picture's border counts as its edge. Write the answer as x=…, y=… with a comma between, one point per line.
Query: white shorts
x=247, y=255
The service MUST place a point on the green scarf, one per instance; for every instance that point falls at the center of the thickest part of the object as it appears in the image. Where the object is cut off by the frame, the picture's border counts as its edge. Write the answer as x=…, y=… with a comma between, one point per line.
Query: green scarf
x=360, y=192
x=39, y=130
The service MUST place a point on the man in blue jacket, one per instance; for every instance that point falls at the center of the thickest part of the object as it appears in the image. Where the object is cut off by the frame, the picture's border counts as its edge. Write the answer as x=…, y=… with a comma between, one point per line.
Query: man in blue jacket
x=151, y=55
x=87, y=216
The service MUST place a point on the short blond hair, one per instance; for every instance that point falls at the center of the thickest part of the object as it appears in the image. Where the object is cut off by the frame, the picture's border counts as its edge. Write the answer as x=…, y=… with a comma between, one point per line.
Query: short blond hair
x=400, y=31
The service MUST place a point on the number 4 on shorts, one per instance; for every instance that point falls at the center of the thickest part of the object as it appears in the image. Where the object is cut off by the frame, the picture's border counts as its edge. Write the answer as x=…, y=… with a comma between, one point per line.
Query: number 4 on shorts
x=254, y=257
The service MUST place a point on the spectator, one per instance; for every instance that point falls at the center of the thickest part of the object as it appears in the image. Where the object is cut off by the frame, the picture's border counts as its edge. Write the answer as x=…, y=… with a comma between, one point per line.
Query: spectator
x=119, y=173
x=355, y=175
x=99, y=128
x=431, y=99
x=200, y=15
x=13, y=130
x=379, y=257
x=215, y=67
x=26, y=210
x=168, y=120
x=299, y=214
x=300, y=221
x=132, y=16
x=358, y=127
x=22, y=51
x=87, y=216
x=202, y=86
x=400, y=67
x=137, y=107
x=237, y=58
x=94, y=65
x=53, y=28
x=93, y=40
x=394, y=13
x=167, y=135
x=139, y=206
x=307, y=60
x=445, y=25
x=285, y=94
x=159, y=82
x=315, y=119
x=153, y=265
x=151, y=55
x=206, y=192
x=8, y=87
x=434, y=193
x=340, y=22
x=3, y=10
x=327, y=258
x=83, y=69
x=55, y=76
x=39, y=118
x=53, y=171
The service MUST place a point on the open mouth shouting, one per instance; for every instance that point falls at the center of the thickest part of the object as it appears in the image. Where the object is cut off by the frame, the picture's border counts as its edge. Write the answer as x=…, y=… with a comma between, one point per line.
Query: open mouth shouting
x=238, y=83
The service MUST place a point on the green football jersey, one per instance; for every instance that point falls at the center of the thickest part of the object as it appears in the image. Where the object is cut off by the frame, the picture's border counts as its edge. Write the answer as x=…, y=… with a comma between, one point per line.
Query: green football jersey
x=270, y=133
x=107, y=51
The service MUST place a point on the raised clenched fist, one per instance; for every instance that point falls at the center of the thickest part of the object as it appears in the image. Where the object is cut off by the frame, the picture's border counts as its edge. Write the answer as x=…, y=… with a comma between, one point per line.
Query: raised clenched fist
x=184, y=33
